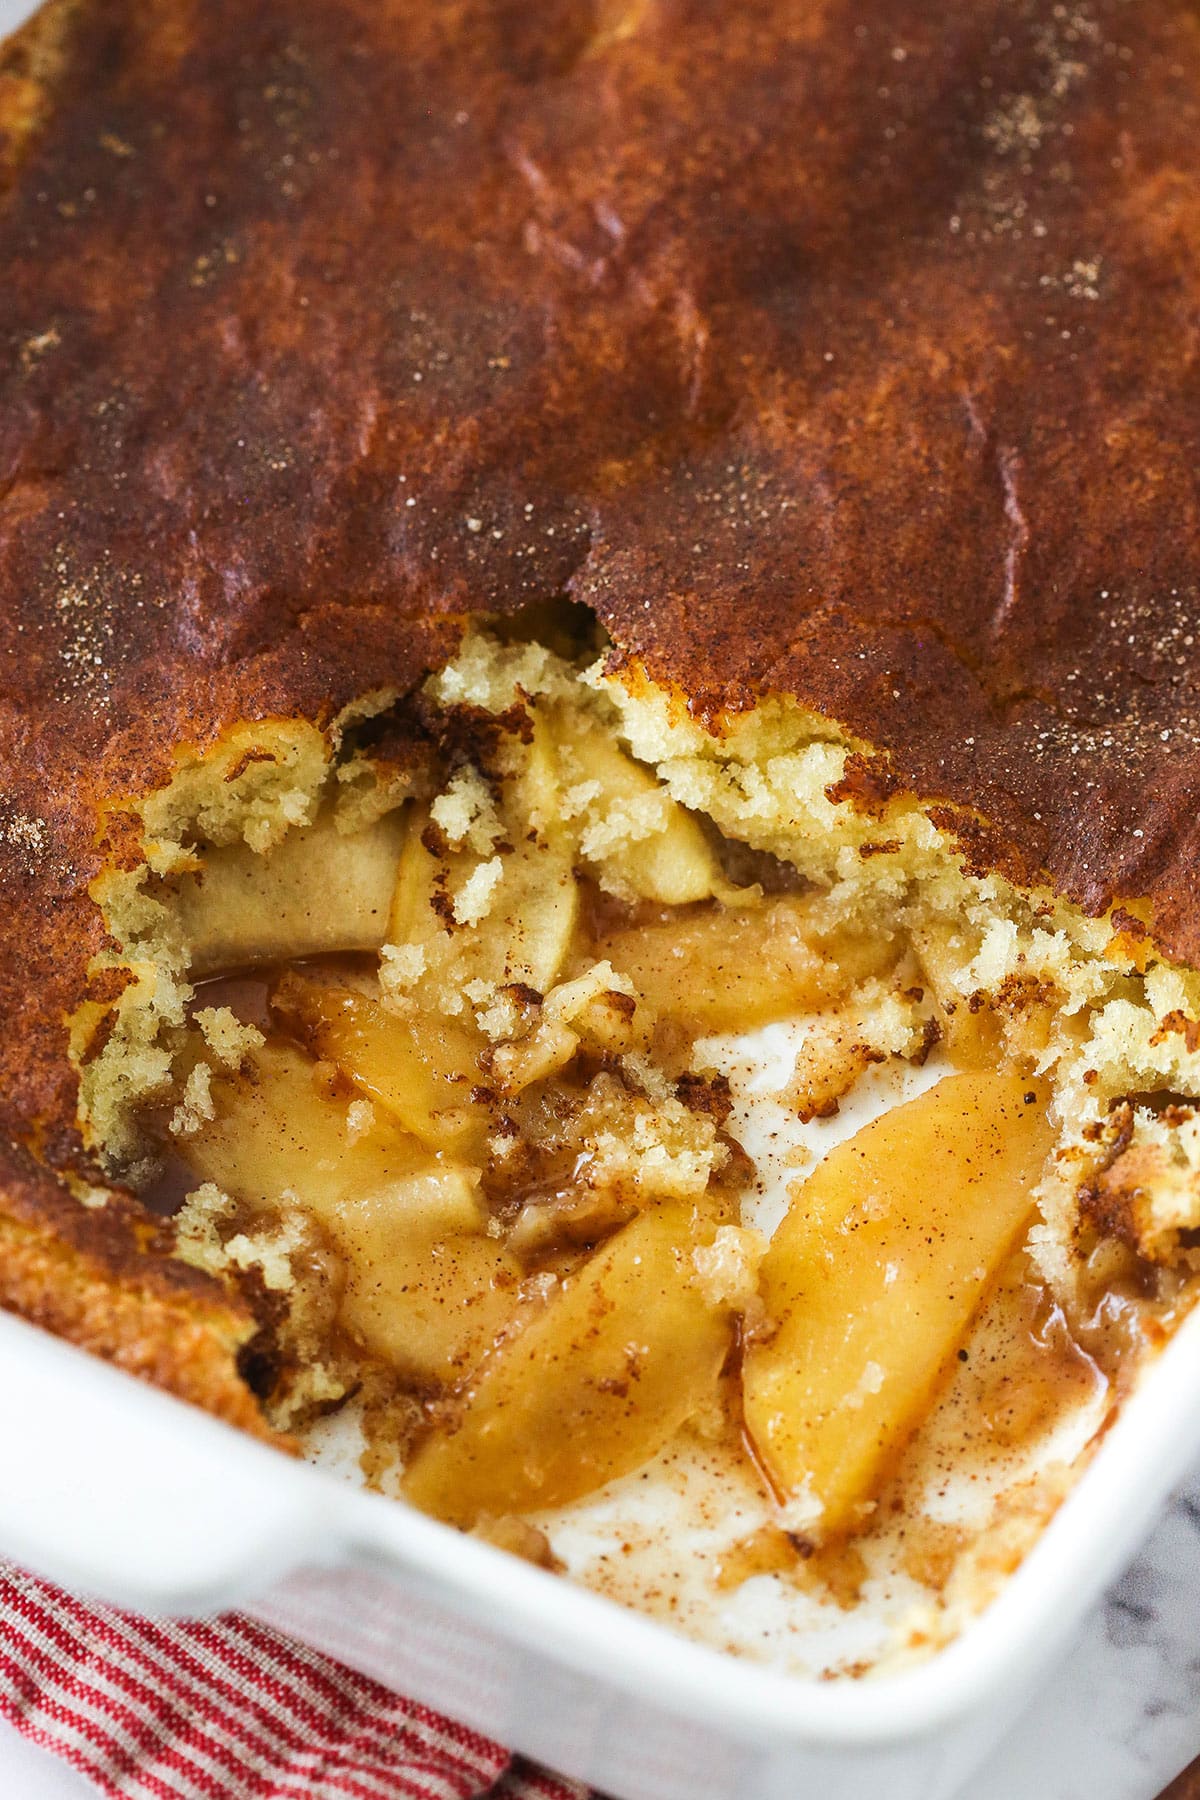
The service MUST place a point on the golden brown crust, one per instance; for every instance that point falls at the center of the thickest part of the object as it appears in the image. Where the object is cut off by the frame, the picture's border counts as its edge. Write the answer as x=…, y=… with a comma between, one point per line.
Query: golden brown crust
x=102, y=1276
x=844, y=352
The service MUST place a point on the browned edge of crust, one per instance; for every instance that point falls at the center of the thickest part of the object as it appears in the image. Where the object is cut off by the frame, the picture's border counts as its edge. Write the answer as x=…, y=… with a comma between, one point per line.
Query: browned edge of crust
x=102, y=1277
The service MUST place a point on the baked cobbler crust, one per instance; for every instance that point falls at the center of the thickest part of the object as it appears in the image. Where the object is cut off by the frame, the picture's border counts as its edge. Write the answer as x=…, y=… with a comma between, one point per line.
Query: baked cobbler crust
x=94, y=1268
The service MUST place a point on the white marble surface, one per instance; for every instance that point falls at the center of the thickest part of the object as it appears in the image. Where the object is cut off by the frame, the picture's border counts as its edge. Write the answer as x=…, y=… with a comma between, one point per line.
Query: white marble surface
x=1121, y=1716
x=14, y=13
x=1117, y=1720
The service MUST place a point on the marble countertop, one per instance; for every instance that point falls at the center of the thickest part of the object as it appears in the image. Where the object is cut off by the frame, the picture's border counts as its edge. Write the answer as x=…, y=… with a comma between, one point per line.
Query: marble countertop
x=1117, y=1721
x=1121, y=1716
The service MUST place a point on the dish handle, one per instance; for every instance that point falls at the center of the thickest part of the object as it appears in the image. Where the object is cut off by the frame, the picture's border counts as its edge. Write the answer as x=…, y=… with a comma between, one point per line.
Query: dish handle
x=122, y=1493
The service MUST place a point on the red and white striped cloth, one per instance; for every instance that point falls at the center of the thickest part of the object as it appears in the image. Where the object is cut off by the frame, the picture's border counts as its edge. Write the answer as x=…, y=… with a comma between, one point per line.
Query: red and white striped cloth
x=151, y=1709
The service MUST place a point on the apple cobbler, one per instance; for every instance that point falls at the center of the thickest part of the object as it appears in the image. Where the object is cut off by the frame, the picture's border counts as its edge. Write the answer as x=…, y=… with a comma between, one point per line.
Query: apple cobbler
x=599, y=743
x=428, y=1044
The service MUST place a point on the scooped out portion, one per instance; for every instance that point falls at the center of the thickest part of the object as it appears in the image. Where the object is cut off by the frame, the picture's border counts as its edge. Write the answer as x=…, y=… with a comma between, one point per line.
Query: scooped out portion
x=424, y=1041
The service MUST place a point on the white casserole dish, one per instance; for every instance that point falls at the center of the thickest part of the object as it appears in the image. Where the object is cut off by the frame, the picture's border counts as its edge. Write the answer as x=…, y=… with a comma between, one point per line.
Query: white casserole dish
x=120, y=1492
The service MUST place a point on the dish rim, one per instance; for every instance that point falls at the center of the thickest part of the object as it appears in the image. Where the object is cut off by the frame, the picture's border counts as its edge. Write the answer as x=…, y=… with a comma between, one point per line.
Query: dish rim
x=320, y=1524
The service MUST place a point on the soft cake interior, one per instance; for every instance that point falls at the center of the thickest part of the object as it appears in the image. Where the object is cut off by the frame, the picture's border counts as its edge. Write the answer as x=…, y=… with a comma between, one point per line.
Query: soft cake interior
x=425, y=1045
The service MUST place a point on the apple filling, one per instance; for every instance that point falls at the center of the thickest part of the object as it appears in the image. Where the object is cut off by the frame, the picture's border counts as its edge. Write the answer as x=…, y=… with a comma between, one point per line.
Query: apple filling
x=426, y=1040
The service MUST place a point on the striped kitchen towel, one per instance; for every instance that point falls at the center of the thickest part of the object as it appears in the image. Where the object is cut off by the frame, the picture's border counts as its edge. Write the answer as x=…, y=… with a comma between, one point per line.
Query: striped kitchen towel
x=228, y=1709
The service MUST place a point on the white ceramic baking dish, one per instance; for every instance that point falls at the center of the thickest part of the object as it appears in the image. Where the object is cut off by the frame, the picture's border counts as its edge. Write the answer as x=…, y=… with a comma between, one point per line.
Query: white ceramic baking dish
x=120, y=1492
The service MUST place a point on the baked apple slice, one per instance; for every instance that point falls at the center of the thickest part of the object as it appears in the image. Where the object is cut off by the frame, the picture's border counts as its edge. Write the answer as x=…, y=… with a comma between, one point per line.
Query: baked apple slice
x=733, y=969
x=620, y=1355
x=872, y=1278
x=492, y=921
x=316, y=892
x=636, y=834
x=426, y=1287
x=419, y=1065
x=495, y=905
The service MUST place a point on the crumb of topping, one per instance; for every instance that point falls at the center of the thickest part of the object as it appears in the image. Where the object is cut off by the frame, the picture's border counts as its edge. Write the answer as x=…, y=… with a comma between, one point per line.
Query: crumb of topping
x=629, y=821
x=365, y=791
x=473, y=900
x=261, y=781
x=275, y=1249
x=196, y=1106
x=229, y=1040
x=270, y=1251
x=577, y=799
x=868, y=1383
x=728, y=1267
x=647, y=1145
x=542, y=1052
x=802, y=1511
x=197, y=1227
x=506, y=1012
x=570, y=998
x=401, y=966
x=465, y=812
x=360, y=1118
x=496, y=676
x=94, y=1198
